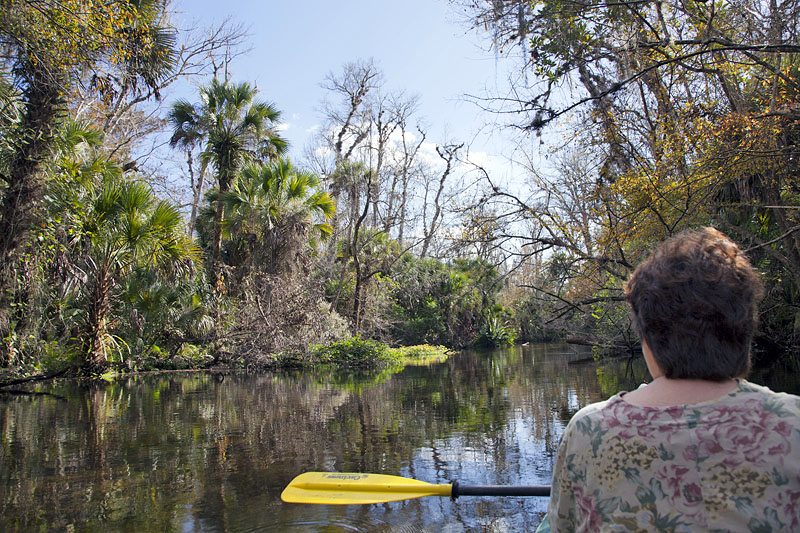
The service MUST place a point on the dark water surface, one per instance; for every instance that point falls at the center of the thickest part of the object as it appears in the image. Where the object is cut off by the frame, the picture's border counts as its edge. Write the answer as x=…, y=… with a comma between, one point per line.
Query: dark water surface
x=206, y=452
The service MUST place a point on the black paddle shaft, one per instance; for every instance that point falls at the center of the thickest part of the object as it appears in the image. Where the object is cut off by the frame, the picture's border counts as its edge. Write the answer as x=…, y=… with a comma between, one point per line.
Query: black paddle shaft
x=498, y=490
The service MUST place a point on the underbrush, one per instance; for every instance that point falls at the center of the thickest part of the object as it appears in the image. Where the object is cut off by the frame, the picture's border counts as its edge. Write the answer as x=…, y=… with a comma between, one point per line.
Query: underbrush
x=356, y=352
x=360, y=354
x=422, y=354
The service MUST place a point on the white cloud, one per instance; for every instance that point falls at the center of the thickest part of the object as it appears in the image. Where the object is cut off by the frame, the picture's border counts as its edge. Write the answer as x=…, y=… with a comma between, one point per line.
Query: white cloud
x=397, y=137
x=427, y=153
x=482, y=159
x=323, y=151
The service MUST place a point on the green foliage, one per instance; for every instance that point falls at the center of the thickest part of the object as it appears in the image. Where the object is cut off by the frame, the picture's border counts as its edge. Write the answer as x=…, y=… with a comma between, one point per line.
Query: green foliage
x=125, y=230
x=232, y=128
x=45, y=356
x=57, y=42
x=442, y=303
x=109, y=266
x=291, y=359
x=421, y=351
x=185, y=357
x=117, y=50
x=273, y=213
x=163, y=312
x=422, y=354
x=356, y=352
x=497, y=331
x=421, y=287
x=529, y=320
x=362, y=288
x=359, y=354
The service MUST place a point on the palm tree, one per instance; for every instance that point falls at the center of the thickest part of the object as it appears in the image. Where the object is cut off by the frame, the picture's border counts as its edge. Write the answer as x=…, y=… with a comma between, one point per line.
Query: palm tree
x=126, y=228
x=278, y=210
x=49, y=48
x=188, y=135
x=163, y=312
x=233, y=128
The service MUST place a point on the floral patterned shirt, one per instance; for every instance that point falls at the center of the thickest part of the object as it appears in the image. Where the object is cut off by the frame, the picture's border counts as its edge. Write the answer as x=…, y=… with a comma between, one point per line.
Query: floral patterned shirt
x=730, y=464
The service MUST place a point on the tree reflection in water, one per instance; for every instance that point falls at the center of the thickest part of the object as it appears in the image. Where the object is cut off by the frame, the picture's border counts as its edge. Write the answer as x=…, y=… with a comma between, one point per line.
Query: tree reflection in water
x=196, y=452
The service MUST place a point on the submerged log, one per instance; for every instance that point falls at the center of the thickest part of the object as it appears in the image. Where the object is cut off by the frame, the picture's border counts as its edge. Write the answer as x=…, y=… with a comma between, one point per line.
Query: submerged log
x=37, y=377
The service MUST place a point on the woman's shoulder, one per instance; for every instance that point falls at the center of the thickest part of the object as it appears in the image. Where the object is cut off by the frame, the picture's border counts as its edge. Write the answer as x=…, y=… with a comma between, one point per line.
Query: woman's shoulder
x=619, y=415
x=594, y=409
x=592, y=414
x=787, y=404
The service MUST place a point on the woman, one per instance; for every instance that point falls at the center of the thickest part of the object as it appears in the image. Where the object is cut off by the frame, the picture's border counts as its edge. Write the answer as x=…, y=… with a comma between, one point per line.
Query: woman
x=699, y=448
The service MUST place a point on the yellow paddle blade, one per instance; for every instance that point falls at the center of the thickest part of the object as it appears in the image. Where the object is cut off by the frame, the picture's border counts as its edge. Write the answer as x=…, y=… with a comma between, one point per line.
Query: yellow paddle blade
x=349, y=488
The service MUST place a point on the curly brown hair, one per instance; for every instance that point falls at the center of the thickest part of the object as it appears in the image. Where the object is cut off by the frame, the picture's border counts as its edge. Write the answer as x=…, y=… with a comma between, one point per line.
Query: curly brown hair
x=694, y=302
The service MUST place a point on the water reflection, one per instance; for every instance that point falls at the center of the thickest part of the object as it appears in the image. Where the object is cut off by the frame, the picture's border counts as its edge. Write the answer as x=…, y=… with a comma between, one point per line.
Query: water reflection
x=203, y=452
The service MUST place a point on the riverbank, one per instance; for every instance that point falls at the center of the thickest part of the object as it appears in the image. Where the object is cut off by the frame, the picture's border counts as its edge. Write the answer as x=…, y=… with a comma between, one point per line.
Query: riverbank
x=354, y=353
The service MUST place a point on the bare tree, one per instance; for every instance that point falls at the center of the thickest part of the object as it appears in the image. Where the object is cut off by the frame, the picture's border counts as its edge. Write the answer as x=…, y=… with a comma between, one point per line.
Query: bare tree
x=347, y=127
x=449, y=154
x=404, y=164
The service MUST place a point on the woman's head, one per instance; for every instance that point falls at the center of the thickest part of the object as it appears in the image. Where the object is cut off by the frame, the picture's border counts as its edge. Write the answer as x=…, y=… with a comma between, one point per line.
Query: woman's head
x=694, y=302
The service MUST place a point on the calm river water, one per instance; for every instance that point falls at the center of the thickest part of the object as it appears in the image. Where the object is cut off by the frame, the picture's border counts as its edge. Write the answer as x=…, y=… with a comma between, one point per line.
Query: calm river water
x=207, y=452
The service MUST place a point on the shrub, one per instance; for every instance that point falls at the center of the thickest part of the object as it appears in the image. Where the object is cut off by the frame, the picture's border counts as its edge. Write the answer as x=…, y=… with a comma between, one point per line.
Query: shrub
x=497, y=332
x=421, y=351
x=422, y=354
x=442, y=303
x=356, y=352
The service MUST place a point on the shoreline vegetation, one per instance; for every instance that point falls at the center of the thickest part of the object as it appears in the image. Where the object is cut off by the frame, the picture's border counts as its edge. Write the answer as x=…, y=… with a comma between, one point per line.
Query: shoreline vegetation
x=353, y=354
x=143, y=226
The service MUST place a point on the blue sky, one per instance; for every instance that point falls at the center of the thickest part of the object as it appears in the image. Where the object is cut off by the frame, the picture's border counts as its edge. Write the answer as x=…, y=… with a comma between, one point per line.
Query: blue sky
x=422, y=46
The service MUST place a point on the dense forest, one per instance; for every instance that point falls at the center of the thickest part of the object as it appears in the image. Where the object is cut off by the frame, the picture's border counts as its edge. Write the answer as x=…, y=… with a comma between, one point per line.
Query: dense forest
x=668, y=115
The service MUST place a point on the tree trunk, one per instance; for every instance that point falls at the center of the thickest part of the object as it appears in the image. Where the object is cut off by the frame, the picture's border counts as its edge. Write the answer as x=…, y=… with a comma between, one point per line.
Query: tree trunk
x=217, y=248
x=357, y=307
x=197, y=191
x=448, y=154
x=21, y=204
x=360, y=278
x=98, y=310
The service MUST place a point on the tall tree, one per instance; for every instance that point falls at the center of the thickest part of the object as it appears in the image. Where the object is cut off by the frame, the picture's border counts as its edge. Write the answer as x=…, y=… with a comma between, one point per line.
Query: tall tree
x=125, y=228
x=275, y=215
x=688, y=112
x=448, y=154
x=101, y=228
x=49, y=47
x=405, y=165
x=234, y=128
x=276, y=209
x=188, y=137
x=348, y=130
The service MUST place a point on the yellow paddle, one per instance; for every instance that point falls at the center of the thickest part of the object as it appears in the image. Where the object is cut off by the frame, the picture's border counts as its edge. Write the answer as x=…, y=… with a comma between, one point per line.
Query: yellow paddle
x=352, y=488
